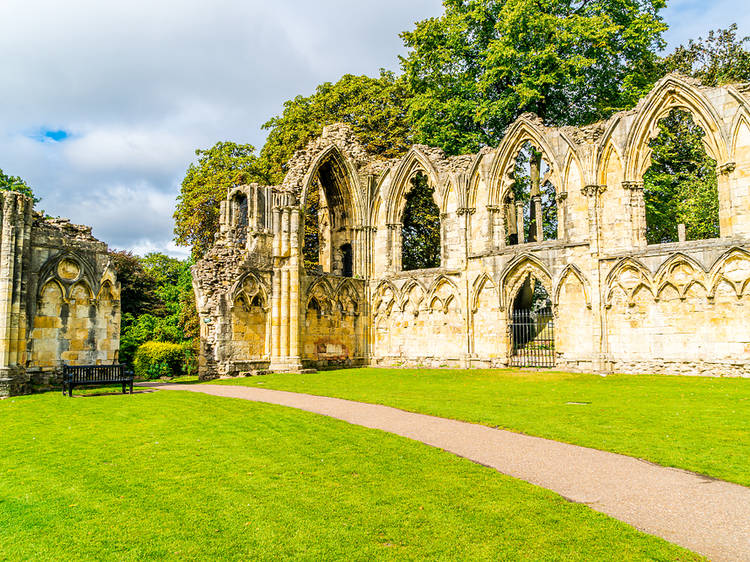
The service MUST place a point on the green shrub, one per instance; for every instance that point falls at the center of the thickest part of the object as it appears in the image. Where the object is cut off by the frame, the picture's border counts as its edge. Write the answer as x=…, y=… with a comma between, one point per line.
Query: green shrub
x=159, y=359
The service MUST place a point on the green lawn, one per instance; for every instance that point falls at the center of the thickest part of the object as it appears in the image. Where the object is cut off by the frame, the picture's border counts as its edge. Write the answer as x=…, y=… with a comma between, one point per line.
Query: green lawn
x=699, y=424
x=173, y=475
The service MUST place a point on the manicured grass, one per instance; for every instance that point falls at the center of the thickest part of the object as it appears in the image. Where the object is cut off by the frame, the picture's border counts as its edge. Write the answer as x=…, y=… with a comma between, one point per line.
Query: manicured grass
x=173, y=475
x=698, y=424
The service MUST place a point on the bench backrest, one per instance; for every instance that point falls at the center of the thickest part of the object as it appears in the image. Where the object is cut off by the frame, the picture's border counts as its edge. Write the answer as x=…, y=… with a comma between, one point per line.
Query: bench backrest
x=84, y=373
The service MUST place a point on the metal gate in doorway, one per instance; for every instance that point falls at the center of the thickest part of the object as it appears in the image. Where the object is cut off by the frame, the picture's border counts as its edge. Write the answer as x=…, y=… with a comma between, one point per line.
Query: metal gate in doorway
x=532, y=336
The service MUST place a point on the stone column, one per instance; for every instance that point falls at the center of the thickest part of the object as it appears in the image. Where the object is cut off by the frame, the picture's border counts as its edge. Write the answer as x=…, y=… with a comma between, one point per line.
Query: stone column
x=277, y=288
x=7, y=262
x=284, y=319
x=394, y=238
x=294, y=289
x=733, y=220
x=636, y=212
x=562, y=215
x=593, y=193
x=520, y=222
x=496, y=238
x=465, y=216
x=536, y=204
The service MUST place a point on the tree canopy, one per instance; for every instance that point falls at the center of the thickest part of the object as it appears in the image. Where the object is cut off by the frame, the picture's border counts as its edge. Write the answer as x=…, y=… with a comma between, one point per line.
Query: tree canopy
x=480, y=65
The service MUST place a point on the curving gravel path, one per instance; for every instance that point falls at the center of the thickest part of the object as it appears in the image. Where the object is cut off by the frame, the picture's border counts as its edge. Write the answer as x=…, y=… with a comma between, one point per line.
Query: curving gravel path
x=708, y=516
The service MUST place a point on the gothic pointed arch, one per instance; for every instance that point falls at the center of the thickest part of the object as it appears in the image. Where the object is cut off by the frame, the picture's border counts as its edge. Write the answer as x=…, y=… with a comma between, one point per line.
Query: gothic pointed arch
x=482, y=282
x=344, y=189
x=414, y=162
x=630, y=276
x=672, y=92
x=731, y=268
x=572, y=270
x=515, y=274
x=527, y=128
x=681, y=272
x=249, y=285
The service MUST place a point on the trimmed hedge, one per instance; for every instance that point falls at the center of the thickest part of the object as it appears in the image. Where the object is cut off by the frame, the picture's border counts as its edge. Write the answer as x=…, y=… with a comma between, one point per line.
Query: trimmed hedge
x=159, y=359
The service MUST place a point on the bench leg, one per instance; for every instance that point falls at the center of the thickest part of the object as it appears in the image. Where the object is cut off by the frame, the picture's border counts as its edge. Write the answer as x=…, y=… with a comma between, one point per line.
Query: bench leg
x=131, y=387
x=63, y=389
x=123, y=387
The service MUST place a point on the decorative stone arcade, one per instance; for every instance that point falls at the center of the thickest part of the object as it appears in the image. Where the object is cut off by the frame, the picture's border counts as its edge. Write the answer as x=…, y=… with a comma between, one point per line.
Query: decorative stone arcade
x=59, y=297
x=617, y=302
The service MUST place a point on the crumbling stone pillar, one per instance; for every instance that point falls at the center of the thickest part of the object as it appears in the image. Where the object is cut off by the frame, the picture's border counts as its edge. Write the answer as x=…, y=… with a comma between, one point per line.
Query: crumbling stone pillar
x=285, y=354
x=520, y=222
x=636, y=211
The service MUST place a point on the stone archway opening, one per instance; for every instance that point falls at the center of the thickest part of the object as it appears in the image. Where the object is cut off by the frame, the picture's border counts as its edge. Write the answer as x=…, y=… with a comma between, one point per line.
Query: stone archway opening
x=680, y=188
x=329, y=221
x=531, y=203
x=532, y=326
x=421, y=229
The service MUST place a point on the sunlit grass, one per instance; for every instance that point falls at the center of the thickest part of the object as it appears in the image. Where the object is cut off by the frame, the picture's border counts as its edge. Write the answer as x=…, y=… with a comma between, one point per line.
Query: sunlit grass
x=695, y=423
x=173, y=475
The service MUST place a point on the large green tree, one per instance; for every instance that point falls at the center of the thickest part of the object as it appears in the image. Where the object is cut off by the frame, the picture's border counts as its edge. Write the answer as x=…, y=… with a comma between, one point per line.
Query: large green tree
x=206, y=183
x=476, y=68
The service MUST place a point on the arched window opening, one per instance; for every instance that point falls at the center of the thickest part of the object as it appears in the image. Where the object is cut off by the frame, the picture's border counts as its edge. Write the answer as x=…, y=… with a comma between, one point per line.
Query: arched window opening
x=257, y=302
x=314, y=306
x=420, y=230
x=532, y=326
x=327, y=222
x=239, y=210
x=531, y=204
x=680, y=187
x=311, y=237
x=347, y=260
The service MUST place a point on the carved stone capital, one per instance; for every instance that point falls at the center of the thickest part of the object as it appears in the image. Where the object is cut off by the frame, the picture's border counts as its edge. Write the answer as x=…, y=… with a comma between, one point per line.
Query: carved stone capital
x=726, y=169
x=465, y=211
x=562, y=196
x=494, y=208
x=593, y=190
x=633, y=185
x=394, y=225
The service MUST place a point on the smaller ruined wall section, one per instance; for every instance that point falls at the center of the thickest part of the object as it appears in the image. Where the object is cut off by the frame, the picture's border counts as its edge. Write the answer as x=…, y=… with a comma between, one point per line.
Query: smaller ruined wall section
x=682, y=312
x=233, y=294
x=59, y=298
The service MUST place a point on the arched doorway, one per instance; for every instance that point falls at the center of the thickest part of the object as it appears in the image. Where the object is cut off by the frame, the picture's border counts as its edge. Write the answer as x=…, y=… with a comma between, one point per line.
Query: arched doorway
x=532, y=326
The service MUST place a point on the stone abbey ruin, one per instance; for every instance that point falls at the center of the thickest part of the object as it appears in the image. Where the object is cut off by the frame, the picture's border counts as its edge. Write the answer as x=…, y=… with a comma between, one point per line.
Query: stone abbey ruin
x=564, y=276
x=59, y=297
x=317, y=272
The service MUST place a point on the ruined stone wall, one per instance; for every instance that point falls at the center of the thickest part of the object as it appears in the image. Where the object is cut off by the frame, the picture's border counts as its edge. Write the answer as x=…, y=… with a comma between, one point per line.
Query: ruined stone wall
x=619, y=304
x=59, y=297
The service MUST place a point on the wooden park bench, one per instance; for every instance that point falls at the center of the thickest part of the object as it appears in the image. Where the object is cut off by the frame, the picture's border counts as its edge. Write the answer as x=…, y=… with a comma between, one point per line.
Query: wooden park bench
x=95, y=375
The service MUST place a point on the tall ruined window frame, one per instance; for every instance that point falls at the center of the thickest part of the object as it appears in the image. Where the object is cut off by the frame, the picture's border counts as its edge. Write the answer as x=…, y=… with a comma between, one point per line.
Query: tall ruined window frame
x=681, y=185
x=532, y=185
x=421, y=243
x=328, y=221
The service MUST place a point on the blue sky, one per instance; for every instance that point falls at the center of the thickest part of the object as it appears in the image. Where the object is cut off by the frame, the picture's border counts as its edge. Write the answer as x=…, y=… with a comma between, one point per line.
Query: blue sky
x=103, y=104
